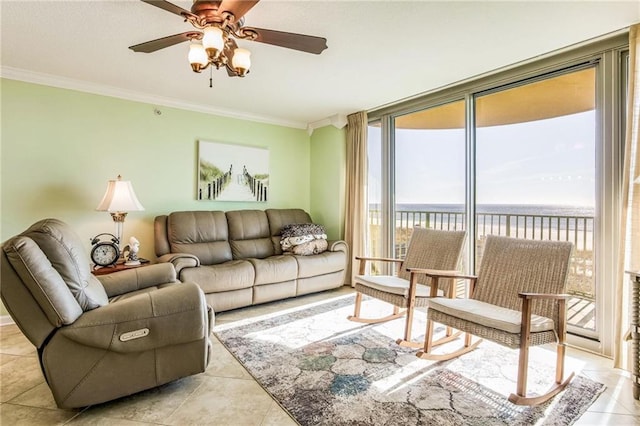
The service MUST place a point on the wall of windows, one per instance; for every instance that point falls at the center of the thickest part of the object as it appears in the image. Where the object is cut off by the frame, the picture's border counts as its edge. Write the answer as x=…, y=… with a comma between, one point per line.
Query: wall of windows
x=532, y=152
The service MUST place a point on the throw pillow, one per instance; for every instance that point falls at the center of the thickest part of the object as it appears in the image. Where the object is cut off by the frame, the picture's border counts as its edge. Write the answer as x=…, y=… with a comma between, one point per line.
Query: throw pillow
x=303, y=239
x=300, y=229
x=309, y=248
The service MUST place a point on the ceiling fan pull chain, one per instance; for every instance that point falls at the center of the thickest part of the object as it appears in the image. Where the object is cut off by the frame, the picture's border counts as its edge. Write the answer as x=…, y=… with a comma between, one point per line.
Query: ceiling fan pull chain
x=210, y=76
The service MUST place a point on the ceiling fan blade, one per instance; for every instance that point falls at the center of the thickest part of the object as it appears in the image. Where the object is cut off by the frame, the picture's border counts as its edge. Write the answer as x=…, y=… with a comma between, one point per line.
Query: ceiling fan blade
x=169, y=7
x=302, y=42
x=237, y=7
x=161, y=43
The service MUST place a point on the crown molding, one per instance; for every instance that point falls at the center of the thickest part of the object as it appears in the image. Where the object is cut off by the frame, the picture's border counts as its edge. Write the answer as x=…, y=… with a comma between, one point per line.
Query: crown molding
x=11, y=73
x=337, y=120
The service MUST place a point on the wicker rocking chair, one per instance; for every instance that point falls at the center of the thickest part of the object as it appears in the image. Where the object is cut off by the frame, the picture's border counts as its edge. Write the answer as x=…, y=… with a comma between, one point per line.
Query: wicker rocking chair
x=516, y=300
x=430, y=249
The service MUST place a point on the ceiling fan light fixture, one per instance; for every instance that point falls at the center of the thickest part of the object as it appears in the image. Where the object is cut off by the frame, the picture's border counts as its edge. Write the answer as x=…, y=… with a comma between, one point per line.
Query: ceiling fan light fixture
x=241, y=61
x=197, y=57
x=217, y=25
x=213, y=41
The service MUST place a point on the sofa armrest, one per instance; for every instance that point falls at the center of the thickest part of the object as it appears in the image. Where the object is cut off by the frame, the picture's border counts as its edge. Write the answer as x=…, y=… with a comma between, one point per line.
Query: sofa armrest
x=180, y=261
x=337, y=245
x=137, y=278
x=168, y=316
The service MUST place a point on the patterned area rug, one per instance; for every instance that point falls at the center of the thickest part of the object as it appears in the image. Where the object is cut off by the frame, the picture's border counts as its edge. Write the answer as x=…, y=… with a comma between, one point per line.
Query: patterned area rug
x=326, y=370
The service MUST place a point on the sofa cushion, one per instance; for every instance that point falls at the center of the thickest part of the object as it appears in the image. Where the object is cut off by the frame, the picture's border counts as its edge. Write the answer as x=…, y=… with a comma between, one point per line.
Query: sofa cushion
x=319, y=264
x=249, y=234
x=227, y=300
x=277, y=291
x=203, y=234
x=275, y=269
x=66, y=252
x=281, y=217
x=232, y=275
x=319, y=283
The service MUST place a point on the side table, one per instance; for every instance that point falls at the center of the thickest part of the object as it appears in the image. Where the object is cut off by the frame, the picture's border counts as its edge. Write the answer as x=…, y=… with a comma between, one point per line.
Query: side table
x=634, y=316
x=104, y=270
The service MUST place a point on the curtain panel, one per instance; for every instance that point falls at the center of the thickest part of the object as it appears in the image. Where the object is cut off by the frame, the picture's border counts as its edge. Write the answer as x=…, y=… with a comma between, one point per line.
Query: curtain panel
x=356, y=204
x=629, y=236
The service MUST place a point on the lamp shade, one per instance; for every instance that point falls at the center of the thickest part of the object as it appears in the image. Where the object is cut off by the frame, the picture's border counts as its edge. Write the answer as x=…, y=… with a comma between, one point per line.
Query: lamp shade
x=241, y=60
x=213, y=39
x=197, y=54
x=119, y=197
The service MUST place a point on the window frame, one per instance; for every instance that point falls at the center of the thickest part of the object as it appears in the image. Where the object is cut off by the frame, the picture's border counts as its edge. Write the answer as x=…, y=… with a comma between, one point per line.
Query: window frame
x=607, y=55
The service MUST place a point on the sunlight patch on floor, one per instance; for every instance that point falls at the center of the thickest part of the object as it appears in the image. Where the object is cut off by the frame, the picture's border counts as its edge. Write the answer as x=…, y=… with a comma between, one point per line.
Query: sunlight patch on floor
x=318, y=328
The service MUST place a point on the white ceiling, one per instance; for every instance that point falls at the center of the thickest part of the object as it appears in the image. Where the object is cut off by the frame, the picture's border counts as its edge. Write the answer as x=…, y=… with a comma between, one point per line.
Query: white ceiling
x=379, y=51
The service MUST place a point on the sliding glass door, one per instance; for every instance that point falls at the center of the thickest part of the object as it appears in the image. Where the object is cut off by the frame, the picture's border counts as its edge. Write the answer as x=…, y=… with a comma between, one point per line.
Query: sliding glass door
x=535, y=153
x=429, y=171
x=424, y=171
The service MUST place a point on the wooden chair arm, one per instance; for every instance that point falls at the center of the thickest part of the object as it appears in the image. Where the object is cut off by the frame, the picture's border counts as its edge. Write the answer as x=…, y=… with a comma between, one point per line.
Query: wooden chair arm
x=525, y=321
x=435, y=273
x=380, y=259
x=363, y=262
x=551, y=296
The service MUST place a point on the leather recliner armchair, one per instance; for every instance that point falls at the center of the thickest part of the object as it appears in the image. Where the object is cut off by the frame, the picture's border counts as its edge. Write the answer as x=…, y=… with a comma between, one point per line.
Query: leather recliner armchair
x=101, y=338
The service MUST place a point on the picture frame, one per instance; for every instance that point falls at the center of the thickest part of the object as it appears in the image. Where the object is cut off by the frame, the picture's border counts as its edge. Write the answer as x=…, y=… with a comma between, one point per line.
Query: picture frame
x=231, y=172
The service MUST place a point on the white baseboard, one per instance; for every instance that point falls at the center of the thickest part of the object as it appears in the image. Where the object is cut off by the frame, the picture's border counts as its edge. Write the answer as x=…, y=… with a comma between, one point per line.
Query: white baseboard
x=6, y=320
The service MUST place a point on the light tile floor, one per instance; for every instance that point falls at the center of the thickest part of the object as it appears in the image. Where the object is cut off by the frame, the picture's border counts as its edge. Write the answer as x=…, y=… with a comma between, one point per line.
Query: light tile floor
x=225, y=394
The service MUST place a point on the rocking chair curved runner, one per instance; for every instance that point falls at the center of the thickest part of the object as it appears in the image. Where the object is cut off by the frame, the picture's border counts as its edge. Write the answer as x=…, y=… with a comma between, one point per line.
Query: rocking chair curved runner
x=516, y=300
x=435, y=250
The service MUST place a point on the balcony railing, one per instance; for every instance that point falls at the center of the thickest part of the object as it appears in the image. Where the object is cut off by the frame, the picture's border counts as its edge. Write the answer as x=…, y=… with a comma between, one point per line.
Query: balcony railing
x=574, y=228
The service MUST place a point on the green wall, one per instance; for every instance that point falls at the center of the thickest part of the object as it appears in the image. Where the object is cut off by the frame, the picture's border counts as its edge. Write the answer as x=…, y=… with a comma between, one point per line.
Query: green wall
x=59, y=147
x=328, y=159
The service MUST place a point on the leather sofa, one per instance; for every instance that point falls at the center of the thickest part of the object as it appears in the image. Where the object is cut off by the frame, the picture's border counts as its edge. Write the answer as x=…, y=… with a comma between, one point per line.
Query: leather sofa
x=237, y=259
x=101, y=338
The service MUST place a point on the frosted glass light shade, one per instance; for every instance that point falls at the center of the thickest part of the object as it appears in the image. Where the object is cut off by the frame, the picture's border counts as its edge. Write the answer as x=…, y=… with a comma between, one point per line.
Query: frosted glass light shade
x=197, y=54
x=119, y=197
x=213, y=39
x=241, y=60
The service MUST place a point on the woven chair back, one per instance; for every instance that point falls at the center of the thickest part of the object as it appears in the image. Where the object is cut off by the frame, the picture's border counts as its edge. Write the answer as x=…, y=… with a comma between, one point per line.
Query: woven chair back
x=511, y=265
x=432, y=249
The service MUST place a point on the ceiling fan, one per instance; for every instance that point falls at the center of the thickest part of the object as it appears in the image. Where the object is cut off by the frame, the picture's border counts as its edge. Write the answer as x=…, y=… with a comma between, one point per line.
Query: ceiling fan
x=216, y=26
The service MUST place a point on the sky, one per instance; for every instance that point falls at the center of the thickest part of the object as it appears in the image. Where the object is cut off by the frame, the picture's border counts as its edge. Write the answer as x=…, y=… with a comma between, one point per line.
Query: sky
x=548, y=161
x=224, y=155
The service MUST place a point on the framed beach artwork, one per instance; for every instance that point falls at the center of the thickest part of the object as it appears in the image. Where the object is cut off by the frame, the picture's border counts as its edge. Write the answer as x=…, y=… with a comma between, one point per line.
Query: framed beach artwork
x=228, y=172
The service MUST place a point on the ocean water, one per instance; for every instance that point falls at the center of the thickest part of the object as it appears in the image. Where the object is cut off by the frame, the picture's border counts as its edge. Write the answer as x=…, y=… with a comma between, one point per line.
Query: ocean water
x=554, y=222
x=512, y=209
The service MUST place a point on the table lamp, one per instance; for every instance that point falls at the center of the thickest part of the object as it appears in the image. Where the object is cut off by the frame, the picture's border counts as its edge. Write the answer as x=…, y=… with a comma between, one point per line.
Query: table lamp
x=119, y=199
